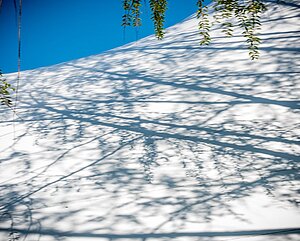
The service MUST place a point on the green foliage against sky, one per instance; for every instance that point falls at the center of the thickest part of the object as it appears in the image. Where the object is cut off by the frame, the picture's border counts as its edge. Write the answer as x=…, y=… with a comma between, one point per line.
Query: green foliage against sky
x=243, y=14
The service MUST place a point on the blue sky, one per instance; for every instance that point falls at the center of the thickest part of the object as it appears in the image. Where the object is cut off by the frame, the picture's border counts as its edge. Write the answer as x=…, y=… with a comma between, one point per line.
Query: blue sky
x=55, y=31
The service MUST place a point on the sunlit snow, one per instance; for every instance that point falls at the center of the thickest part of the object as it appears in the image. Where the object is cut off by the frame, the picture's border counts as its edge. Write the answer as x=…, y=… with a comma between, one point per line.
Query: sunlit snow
x=159, y=140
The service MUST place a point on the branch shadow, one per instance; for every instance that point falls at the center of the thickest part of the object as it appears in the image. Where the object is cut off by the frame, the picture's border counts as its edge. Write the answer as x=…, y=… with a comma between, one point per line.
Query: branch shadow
x=145, y=141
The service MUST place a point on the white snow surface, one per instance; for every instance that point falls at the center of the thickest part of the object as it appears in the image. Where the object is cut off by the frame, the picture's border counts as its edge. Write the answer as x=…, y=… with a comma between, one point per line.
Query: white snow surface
x=159, y=140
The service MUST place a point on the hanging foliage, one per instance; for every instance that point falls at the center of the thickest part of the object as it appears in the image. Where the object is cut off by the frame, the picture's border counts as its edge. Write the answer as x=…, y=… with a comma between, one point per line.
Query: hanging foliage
x=158, y=8
x=204, y=24
x=244, y=14
x=5, y=89
x=132, y=13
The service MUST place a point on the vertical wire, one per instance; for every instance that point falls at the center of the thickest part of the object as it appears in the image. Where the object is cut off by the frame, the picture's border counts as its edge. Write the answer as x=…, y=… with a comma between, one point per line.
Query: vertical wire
x=19, y=52
x=19, y=63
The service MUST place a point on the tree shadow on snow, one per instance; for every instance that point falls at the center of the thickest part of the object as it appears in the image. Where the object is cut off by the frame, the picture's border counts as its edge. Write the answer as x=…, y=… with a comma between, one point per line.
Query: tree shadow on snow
x=150, y=138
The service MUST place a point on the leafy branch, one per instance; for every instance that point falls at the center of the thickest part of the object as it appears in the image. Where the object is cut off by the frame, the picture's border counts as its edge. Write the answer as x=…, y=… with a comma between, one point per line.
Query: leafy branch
x=204, y=24
x=244, y=14
x=247, y=14
x=5, y=88
x=158, y=8
x=132, y=13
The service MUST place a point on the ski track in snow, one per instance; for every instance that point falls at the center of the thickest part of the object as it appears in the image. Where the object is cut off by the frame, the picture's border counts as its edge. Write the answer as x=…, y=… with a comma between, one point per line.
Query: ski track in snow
x=159, y=140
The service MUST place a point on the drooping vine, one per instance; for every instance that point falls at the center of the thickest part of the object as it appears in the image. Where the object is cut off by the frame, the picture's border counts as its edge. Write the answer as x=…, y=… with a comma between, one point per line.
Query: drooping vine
x=204, y=24
x=158, y=8
x=132, y=13
x=244, y=14
x=5, y=91
x=249, y=20
x=230, y=14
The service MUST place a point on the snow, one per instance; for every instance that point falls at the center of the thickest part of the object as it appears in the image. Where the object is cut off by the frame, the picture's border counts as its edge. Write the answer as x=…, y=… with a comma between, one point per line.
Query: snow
x=159, y=140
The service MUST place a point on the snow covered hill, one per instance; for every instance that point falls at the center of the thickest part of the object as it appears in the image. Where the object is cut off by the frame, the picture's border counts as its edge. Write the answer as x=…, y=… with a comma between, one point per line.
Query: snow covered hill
x=159, y=140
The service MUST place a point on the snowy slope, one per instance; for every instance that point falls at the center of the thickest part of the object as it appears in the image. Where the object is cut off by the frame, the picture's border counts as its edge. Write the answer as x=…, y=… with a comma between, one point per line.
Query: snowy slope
x=159, y=140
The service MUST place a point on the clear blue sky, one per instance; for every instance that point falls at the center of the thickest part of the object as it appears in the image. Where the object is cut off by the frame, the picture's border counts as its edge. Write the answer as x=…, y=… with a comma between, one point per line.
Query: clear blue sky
x=55, y=31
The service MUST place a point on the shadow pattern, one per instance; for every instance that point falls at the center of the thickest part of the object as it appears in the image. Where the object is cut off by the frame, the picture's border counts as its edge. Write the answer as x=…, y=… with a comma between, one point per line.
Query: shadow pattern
x=154, y=139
